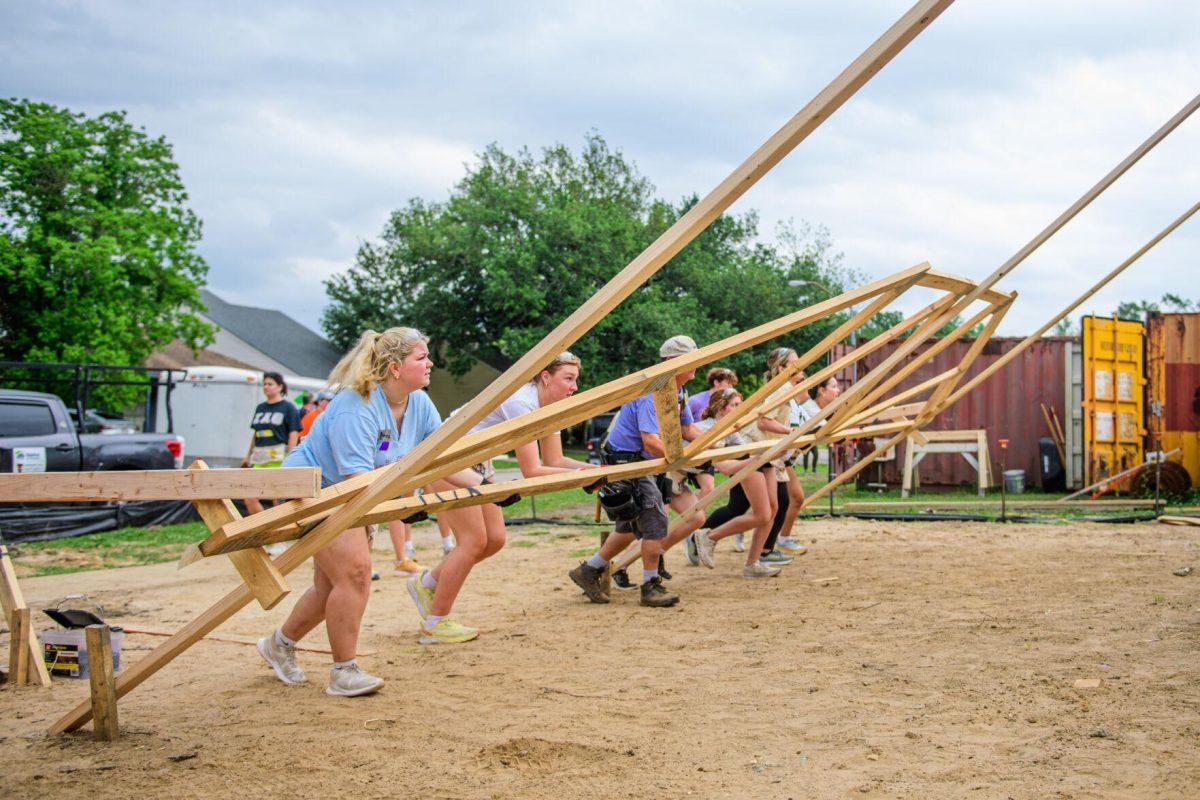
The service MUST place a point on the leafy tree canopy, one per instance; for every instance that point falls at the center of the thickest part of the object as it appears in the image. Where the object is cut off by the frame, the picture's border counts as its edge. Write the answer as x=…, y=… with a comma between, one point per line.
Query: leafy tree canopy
x=526, y=238
x=1134, y=310
x=97, y=246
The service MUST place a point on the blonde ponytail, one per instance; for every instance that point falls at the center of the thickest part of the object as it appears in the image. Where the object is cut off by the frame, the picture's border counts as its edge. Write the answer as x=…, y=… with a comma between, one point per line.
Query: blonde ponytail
x=367, y=362
x=777, y=360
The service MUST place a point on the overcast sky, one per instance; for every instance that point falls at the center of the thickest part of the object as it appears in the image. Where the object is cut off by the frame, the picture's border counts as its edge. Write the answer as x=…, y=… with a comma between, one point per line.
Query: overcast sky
x=299, y=126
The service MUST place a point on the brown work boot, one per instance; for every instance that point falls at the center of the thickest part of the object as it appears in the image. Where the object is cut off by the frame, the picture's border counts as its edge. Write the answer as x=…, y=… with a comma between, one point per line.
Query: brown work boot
x=655, y=595
x=590, y=580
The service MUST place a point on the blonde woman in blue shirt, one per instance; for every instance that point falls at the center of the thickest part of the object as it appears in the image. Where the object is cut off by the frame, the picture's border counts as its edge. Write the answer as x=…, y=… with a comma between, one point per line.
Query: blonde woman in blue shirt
x=380, y=414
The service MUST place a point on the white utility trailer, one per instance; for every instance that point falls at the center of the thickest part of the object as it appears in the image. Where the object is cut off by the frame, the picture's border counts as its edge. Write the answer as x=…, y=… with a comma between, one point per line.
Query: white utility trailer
x=212, y=407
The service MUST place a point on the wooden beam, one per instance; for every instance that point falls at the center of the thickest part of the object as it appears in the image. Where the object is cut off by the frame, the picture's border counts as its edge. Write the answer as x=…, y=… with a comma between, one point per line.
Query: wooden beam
x=254, y=565
x=753, y=406
x=435, y=502
x=666, y=409
x=12, y=599
x=1004, y=360
x=887, y=505
x=160, y=484
x=103, y=689
x=18, y=652
x=504, y=436
x=392, y=482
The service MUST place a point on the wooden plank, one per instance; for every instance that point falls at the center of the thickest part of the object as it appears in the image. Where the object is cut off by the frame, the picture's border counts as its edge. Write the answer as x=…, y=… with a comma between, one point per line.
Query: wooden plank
x=103, y=689
x=1125, y=473
x=756, y=404
x=160, y=484
x=18, y=651
x=503, y=437
x=1170, y=520
x=438, y=501
x=253, y=564
x=392, y=481
x=11, y=599
x=666, y=408
x=886, y=505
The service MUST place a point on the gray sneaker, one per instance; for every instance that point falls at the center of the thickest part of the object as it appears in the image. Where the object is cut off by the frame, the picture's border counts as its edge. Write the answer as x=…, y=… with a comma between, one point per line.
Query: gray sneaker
x=351, y=681
x=739, y=543
x=282, y=659
x=759, y=570
x=705, y=549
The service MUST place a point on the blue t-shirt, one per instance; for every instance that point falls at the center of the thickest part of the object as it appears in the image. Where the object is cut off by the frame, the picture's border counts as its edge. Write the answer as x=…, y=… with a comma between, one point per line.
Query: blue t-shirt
x=698, y=403
x=355, y=435
x=637, y=417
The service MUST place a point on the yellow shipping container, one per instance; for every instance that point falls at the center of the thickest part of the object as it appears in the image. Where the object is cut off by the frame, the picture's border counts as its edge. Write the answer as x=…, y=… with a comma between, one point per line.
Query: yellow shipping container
x=1113, y=396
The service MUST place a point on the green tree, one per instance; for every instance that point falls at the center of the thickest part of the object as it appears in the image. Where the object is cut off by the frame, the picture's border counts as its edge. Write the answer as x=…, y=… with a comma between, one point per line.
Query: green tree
x=525, y=239
x=97, y=246
x=1171, y=303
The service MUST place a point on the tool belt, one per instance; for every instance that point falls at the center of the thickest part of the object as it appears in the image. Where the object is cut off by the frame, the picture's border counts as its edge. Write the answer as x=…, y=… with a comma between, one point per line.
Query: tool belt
x=619, y=499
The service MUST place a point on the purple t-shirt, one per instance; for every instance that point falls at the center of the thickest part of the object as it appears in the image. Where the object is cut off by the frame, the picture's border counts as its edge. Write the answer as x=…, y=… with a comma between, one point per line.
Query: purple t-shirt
x=637, y=417
x=697, y=404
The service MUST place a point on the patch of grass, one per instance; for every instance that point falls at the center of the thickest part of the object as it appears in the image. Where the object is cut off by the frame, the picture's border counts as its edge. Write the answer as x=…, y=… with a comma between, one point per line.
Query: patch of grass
x=522, y=543
x=127, y=547
x=582, y=552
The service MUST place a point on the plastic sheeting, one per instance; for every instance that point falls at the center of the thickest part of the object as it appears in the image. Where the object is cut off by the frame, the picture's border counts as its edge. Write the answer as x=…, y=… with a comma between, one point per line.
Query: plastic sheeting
x=31, y=522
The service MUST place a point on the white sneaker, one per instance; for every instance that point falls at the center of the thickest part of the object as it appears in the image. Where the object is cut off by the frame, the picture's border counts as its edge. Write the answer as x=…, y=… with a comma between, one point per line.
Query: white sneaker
x=282, y=659
x=351, y=681
x=739, y=543
x=705, y=547
x=759, y=570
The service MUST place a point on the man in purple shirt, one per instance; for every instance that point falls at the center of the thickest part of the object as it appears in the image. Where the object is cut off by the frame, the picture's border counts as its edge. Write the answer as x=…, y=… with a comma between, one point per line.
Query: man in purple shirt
x=634, y=436
x=717, y=378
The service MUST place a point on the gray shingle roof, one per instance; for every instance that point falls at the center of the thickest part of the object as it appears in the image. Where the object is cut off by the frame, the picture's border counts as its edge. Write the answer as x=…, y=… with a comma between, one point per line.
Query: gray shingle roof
x=303, y=351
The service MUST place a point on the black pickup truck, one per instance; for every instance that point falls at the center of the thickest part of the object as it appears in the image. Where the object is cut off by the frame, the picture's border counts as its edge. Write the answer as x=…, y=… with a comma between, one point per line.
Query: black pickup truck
x=38, y=435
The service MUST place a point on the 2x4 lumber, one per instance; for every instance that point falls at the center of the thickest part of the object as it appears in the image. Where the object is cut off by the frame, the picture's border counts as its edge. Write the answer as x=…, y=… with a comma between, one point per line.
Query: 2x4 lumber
x=1170, y=520
x=1125, y=473
x=1004, y=360
x=11, y=599
x=859, y=353
x=935, y=279
x=1085, y=200
x=848, y=400
x=103, y=689
x=994, y=312
x=536, y=424
x=263, y=578
x=18, y=653
x=884, y=505
x=434, y=502
x=754, y=403
x=160, y=484
x=392, y=483
x=666, y=409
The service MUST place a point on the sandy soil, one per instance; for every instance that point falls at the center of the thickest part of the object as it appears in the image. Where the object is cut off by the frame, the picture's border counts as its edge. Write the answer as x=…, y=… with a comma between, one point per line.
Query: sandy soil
x=941, y=663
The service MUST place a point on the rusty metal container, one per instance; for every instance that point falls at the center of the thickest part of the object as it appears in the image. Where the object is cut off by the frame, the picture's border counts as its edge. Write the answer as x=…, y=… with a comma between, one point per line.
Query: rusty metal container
x=1173, y=390
x=1007, y=405
x=1114, y=382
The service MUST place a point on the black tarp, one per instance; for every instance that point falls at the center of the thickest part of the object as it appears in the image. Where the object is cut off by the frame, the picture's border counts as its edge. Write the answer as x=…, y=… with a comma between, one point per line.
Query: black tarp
x=31, y=522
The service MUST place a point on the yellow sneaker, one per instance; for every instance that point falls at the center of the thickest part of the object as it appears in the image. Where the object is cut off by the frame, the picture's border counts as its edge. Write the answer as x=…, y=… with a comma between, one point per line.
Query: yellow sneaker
x=791, y=547
x=447, y=631
x=422, y=597
x=408, y=568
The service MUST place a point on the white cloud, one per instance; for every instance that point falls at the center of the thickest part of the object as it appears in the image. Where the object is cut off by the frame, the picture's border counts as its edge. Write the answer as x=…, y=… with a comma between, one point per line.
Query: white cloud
x=300, y=127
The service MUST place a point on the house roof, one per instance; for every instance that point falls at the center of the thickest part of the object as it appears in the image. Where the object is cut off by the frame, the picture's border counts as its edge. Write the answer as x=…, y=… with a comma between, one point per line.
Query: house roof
x=275, y=334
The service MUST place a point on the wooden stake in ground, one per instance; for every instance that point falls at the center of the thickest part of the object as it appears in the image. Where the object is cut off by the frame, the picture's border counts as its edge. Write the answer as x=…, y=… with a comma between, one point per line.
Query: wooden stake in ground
x=104, y=691
x=18, y=653
x=11, y=599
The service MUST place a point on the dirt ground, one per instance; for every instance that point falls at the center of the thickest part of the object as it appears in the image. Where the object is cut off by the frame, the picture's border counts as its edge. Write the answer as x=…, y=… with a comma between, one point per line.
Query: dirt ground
x=941, y=663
